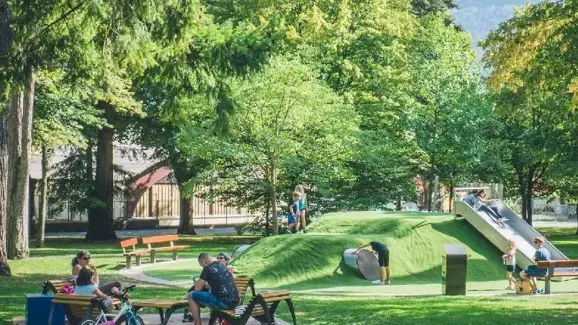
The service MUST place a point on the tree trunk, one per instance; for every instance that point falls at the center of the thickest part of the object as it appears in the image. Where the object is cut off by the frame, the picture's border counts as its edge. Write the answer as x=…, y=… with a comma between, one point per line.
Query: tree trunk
x=398, y=204
x=43, y=200
x=4, y=268
x=273, y=198
x=529, y=195
x=32, y=215
x=19, y=139
x=186, y=225
x=267, y=221
x=100, y=215
x=182, y=175
x=451, y=197
x=5, y=31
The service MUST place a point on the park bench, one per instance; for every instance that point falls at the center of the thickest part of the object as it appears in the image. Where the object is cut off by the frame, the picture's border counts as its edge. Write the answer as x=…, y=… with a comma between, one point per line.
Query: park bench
x=128, y=254
x=553, y=273
x=55, y=286
x=161, y=240
x=78, y=308
x=166, y=307
x=262, y=307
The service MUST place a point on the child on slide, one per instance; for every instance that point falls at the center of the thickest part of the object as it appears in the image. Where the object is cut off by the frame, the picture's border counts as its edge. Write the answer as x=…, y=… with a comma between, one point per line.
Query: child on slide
x=510, y=262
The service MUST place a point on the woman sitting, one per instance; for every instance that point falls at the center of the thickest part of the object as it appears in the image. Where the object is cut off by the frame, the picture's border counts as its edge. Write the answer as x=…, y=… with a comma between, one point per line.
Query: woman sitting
x=80, y=262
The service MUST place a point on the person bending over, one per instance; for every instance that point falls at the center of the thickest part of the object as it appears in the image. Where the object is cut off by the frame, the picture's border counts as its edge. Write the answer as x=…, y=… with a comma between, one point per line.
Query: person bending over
x=223, y=295
x=382, y=258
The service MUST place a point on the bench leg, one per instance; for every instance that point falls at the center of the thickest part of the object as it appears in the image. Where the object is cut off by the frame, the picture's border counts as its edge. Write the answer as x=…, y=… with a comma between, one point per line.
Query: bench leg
x=162, y=314
x=547, y=289
x=137, y=260
x=153, y=257
x=292, y=310
x=175, y=255
x=128, y=262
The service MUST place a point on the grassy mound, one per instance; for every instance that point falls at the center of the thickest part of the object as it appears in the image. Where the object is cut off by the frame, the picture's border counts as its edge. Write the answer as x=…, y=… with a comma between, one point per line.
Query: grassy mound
x=415, y=240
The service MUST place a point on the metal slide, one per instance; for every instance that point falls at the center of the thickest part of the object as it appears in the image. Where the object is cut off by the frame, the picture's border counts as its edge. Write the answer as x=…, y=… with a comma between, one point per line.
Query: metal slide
x=515, y=228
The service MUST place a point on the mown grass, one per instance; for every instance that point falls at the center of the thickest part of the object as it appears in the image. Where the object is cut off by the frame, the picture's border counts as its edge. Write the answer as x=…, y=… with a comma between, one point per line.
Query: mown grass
x=411, y=241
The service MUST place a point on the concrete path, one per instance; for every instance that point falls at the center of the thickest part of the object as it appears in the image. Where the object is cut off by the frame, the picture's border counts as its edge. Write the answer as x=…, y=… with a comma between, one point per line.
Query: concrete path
x=148, y=232
x=154, y=319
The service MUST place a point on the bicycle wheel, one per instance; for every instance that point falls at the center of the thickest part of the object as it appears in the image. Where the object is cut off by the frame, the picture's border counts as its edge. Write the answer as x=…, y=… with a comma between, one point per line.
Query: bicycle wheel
x=88, y=322
x=130, y=319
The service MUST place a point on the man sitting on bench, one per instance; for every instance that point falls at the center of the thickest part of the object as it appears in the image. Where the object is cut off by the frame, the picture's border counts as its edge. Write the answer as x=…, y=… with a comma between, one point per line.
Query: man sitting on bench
x=542, y=254
x=223, y=295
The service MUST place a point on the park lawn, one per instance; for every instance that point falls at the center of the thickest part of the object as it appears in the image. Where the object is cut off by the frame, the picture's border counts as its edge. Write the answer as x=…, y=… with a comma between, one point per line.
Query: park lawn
x=53, y=262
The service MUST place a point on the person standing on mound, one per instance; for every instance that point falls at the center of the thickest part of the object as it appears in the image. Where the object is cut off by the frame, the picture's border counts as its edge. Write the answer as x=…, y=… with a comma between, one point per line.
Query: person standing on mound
x=382, y=258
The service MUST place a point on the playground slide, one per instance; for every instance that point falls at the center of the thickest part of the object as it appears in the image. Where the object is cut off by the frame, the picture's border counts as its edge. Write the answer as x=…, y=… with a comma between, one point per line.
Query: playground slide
x=515, y=228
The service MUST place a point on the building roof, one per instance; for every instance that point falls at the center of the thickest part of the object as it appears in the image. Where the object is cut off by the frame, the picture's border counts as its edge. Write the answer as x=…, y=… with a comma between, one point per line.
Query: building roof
x=130, y=158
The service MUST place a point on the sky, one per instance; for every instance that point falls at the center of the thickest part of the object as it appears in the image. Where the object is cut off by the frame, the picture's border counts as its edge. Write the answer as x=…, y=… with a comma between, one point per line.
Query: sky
x=479, y=17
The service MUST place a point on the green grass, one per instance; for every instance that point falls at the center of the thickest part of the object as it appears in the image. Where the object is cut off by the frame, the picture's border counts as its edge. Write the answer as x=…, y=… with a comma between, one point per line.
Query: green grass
x=53, y=262
x=313, y=262
x=416, y=244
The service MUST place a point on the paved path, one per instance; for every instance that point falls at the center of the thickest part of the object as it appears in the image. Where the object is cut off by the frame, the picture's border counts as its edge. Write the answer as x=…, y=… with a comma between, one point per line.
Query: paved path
x=154, y=319
x=147, y=232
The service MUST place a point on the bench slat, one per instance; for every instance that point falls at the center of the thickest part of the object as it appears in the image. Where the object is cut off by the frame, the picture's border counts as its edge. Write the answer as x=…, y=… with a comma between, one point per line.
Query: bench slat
x=159, y=239
x=129, y=242
x=137, y=252
x=558, y=263
x=170, y=248
x=159, y=303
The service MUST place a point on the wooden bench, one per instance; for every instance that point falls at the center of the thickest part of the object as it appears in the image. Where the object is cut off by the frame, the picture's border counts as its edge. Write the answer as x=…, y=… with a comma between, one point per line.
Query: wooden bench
x=161, y=240
x=552, y=273
x=55, y=286
x=166, y=307
x=262, y=307
x=135, y=252
x=78, y=308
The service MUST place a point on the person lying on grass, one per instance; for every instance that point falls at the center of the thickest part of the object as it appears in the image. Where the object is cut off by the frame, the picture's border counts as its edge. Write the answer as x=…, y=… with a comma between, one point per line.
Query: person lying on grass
x=383, y=258
x=223, y=295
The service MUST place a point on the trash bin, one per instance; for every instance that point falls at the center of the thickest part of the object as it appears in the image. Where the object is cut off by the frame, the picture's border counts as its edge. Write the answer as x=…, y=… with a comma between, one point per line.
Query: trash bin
x=38, y=310
x=454, y=270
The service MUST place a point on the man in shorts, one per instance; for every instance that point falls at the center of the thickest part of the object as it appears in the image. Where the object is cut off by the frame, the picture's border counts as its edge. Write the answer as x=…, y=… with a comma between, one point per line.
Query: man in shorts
x=223, y=294
x=383, y=258
x=542, y=254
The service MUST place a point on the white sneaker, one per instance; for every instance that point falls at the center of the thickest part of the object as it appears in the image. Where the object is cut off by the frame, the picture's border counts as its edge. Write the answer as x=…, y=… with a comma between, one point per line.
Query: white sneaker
x=502, y=220
x=377, y=282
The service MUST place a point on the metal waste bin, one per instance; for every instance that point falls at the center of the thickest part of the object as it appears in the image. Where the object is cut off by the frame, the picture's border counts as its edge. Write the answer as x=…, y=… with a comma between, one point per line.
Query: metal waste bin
x=454, y=270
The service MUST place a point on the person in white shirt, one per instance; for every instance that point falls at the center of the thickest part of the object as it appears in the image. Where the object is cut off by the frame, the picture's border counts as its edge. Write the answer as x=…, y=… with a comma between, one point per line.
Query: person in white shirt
x=510, y=262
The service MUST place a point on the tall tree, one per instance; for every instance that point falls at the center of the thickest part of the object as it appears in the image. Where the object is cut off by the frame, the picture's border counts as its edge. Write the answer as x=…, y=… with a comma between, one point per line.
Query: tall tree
x=533, y=70
x=5, y=47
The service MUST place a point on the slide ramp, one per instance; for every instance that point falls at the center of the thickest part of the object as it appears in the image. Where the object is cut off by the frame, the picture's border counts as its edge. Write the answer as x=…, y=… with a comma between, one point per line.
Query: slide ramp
x=515, y=228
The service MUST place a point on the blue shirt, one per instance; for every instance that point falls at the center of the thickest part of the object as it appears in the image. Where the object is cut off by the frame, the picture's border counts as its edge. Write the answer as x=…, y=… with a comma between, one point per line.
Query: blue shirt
x=295, y=206
x=470, y=199
x=85, y=290
x=542, y=254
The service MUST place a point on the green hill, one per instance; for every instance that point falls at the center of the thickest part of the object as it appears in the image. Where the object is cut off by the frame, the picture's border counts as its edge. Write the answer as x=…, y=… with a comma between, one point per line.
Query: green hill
x=415, y=240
